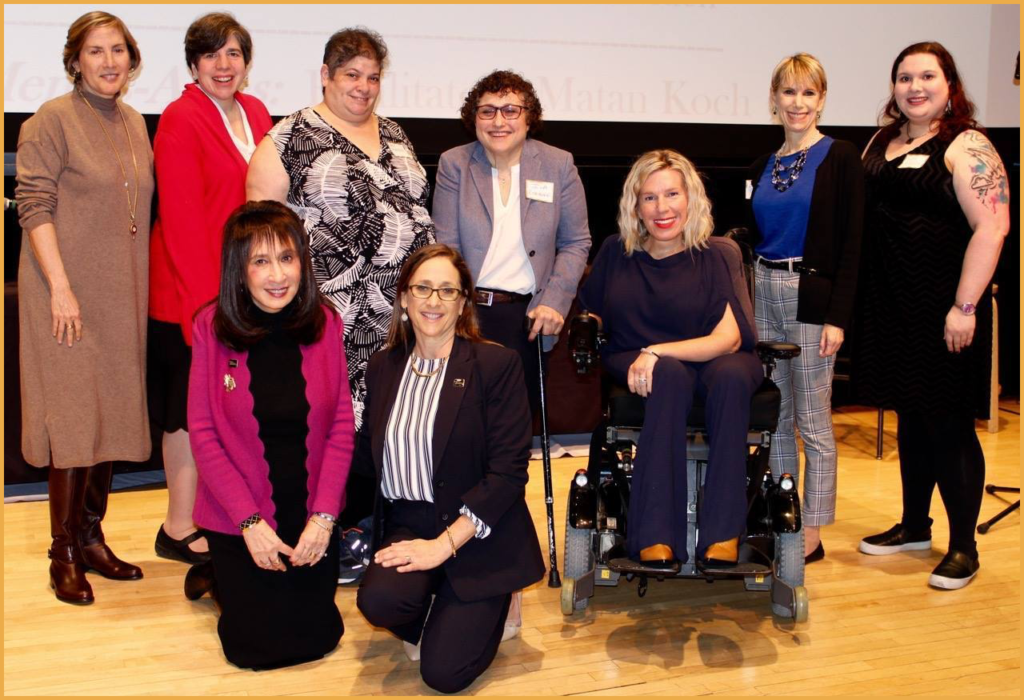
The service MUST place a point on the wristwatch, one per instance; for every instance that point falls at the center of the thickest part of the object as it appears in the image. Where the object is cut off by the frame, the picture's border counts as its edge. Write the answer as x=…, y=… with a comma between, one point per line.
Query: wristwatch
x=967, y=309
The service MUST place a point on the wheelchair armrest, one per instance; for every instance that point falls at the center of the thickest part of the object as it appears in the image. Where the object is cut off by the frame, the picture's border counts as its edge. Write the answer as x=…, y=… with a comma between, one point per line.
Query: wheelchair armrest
x=585, y=339
x=770, y=353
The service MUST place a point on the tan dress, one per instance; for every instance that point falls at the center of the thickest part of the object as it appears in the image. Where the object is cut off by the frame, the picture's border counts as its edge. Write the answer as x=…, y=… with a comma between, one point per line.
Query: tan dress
x=85, y=404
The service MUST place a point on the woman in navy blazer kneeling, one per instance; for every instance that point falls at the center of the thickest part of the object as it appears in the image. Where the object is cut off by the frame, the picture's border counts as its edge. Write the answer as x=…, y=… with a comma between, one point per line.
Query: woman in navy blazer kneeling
x=447, y=432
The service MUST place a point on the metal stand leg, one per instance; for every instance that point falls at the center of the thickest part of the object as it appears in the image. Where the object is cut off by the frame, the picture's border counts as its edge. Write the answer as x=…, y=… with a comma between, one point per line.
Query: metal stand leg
x=991, y=488
x=881, y=433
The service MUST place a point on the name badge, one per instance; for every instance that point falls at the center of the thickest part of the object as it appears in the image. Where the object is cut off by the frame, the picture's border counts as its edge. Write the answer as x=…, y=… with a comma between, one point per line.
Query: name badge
x=914, y=160
x=399, y=149
x=540, y=191
x=749, y=190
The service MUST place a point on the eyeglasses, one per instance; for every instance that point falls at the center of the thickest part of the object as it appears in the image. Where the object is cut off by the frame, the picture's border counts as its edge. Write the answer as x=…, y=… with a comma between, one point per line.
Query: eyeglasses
x=422, y=291
x=488, y=112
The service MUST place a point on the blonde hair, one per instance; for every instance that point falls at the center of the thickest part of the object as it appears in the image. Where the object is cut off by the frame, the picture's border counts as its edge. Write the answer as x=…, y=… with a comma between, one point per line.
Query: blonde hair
x=699, y=224
x=796, y=69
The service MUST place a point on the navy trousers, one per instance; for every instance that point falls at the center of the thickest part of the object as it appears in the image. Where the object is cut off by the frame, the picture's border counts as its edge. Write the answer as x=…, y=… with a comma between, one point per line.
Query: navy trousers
x=657, y=508
x=458, y=639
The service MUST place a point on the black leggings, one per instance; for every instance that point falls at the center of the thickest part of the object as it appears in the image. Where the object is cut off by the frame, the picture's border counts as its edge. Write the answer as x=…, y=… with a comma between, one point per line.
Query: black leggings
x=942, y=450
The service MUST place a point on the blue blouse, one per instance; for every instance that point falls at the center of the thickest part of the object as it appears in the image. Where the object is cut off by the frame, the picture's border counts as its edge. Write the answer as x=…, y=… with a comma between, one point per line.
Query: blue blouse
x=782, y=216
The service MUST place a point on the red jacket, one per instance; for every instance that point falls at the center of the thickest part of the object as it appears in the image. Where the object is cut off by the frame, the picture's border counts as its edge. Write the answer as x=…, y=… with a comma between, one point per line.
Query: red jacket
x=200, y=177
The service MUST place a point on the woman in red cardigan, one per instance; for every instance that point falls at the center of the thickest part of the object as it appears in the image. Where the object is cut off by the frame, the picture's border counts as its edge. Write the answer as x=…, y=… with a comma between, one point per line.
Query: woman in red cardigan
x=271, y=426
x=202, y=149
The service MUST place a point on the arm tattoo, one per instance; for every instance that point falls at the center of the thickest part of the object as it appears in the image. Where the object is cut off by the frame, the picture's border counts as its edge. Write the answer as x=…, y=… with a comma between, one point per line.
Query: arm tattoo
x=988, y=177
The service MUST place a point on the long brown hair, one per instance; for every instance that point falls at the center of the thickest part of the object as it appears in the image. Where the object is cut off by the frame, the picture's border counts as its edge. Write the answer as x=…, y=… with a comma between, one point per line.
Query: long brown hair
x=402, y=336
x=958, y=117
x=253, y=224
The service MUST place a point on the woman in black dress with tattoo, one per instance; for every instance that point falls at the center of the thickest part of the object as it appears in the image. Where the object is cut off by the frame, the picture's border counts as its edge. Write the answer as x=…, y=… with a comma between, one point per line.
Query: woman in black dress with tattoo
x=938, y=211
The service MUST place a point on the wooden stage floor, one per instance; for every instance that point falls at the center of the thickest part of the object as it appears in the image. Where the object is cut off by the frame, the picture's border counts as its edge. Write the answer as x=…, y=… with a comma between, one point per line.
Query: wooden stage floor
x=875, y=627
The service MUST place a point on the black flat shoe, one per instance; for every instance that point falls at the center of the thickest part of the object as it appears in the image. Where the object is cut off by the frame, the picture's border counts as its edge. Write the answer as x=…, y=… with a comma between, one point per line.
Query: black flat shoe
x=199, y=581
x=956, y=570
x=817, y=555
x=896, y=539
x=179, y=550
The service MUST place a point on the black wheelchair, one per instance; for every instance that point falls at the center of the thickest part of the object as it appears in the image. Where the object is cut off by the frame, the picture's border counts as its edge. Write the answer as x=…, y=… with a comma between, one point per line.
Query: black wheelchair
x=771, y=552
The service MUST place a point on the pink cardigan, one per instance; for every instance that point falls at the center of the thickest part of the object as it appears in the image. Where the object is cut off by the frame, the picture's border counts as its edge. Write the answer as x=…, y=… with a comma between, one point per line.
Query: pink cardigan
x=234, y=478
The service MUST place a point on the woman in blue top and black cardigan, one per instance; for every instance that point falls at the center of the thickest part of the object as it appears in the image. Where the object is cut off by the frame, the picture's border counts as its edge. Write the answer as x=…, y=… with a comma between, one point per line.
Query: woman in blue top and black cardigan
x=807, y=205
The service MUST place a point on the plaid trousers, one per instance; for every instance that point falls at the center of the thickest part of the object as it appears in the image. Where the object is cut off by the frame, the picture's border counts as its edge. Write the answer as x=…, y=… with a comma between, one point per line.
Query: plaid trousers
x=806, y=381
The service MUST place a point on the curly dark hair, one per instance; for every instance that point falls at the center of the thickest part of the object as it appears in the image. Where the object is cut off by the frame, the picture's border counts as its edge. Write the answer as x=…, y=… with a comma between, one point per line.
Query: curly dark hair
x=960, y=114
x=501, y=82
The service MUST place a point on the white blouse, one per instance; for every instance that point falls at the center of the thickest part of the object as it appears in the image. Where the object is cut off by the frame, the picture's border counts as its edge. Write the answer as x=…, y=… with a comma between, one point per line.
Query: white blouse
x=246, y=148
x=507, y=267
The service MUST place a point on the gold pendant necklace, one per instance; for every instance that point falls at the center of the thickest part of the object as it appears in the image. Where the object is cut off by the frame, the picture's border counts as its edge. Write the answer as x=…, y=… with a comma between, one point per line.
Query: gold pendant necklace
x=132, y=208
x=418, y=373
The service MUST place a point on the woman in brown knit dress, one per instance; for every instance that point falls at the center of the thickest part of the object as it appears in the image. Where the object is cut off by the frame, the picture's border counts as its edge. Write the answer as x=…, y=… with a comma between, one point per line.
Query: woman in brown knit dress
x=85, y=181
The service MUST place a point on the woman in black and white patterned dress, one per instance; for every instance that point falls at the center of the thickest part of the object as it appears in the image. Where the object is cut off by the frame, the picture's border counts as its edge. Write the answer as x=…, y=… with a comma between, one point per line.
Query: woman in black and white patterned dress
x=354, y=180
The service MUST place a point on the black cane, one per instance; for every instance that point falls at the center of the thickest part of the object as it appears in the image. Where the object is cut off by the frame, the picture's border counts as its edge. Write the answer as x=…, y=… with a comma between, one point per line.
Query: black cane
x=545, y=449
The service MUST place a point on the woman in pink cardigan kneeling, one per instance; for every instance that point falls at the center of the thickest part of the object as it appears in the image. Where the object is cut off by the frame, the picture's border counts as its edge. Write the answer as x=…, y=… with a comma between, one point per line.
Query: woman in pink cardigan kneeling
x=271, y=426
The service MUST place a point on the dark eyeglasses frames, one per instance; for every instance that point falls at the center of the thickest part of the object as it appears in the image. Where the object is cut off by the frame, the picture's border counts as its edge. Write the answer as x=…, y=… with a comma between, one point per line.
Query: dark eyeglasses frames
x=422, y=291
x=488, y=112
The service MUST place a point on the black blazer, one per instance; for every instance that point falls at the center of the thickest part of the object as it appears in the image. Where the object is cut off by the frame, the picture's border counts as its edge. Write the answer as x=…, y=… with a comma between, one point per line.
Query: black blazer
x=481, y=449
x=834, y=229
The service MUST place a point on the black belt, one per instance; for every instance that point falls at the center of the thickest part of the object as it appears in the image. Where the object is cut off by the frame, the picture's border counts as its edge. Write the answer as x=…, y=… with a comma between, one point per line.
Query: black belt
x=790, y=265
x=490, y=297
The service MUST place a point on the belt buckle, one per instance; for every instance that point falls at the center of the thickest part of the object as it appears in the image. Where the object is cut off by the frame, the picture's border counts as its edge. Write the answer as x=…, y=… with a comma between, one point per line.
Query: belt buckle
x=489, y=295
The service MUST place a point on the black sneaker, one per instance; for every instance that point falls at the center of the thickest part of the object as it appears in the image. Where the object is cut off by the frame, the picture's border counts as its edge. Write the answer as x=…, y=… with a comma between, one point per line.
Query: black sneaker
x=354, y=553
x=954, y=571
x=896, y=539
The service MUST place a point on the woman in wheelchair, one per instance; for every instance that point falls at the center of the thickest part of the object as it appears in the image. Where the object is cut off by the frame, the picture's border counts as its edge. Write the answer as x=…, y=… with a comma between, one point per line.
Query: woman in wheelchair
x=676, y=331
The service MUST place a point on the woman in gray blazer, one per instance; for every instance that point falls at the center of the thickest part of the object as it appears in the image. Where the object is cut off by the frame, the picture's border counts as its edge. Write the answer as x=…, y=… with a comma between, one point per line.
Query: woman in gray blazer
x=515, y=208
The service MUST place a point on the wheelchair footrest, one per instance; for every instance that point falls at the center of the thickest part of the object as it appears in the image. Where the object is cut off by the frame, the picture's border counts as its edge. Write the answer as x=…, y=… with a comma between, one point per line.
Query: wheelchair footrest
x=628, y=566
x=738, y=569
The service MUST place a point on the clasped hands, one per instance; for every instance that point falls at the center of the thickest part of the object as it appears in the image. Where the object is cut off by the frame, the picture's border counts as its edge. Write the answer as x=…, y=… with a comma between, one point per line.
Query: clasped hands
x=266, y=547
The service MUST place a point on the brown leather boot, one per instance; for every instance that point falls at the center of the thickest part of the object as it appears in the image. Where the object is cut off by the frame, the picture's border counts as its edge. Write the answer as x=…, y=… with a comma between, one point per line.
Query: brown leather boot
x=95, y=552
x=67, y=575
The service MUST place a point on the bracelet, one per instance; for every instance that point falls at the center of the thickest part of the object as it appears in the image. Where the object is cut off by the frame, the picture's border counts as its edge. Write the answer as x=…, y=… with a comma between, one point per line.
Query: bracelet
x=249, y=522
x=648, y=351
x=324, y=516
x=451, y=541
x=320, y=524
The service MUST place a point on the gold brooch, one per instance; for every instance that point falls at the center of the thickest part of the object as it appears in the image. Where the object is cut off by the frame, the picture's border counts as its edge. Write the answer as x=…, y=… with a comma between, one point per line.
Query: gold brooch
x=229, y=383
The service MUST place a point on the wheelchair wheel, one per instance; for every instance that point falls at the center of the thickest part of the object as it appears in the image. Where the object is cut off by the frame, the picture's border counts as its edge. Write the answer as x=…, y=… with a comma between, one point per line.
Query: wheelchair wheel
x=789, y=564
x=568, y=590
x=578, y=554
x=800, y=603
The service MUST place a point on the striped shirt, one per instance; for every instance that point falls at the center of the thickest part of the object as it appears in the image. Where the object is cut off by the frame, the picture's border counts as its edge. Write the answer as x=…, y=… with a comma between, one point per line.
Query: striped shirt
x=409, y=437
